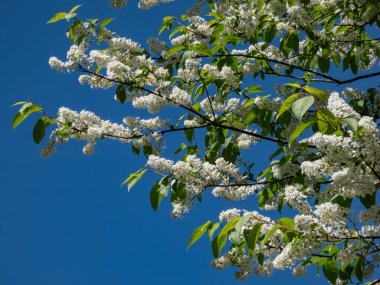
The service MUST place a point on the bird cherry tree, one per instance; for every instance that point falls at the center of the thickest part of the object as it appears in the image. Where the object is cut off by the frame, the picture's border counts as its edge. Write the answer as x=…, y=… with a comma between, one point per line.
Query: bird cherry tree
x=207, y=65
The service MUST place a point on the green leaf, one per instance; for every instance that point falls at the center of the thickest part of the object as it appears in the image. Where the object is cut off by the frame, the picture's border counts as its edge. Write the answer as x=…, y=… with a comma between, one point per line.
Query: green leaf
x=344, y=202
x=286, y=222
x=324, y=64
x=105, y=22
x=342, y=29
x=198, y=233
x=57, y=17
x=270, y=32
x=359, y=268
x=155, y=196
x=40, y=128
x=293, y=42
x=330, y=270
x=217, y=245
x=251, y=117
x=330, y=23
x=189, y=134
x=24, y=112
x=294, y=85
x=320, y=94
x=300, y=106
x=159, y=190
x=368, y=200
x=229, y=226
x=201, y=49
x=219, y=242
x=311, y=261
x=175, y=31
x=121, y=94
x=175, y=49
x=212, y=228
x=231, y=152
x=351, y=122
x=252, y=238
x=134, y=178
x=74, y=9
x=287, y=104
x=326, y=121
x=299, y=130
x=239, y=225
x=354, y=64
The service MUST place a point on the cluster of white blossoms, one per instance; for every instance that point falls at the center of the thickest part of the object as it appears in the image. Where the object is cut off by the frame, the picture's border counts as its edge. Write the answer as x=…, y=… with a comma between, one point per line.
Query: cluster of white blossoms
x=87, y=126
x=296, y=199
x=244, y=141
x=190, y=70
x=229, y=214
x=160, y=163
x=339, y=107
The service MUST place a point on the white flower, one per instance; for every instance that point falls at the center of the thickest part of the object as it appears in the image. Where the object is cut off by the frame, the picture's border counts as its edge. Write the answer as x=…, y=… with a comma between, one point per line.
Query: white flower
x=159, y=163
x=229, y=214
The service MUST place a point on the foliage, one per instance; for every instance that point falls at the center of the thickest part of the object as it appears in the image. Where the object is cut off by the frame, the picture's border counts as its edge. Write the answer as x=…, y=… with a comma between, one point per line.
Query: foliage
x=328, y=148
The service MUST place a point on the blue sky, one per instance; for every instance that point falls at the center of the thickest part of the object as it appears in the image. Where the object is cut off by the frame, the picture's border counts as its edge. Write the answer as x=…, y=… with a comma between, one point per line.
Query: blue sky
x=65, y=219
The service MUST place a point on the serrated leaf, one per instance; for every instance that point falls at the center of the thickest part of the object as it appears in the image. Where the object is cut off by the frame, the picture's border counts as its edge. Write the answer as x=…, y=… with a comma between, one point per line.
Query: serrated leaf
x=268, y=235
x=134, y=178
x=198, y=233
x=344, y=202
x=155, y=196
x=229, y=226
x=105, y=22
x=252, y=238
x=311, y=261
x=294, y=85
x=320, y=94
x=301, y=106
x=330, y=270
x=359, y=268
x=287, y=104
x=212, y=228
x=324, y=64
x=40, y=128
x=286, y=222
x=175, y=49
x=330, y=23
x=368, y=200
x=57, y=17
x=270, y=32
x=158, y=191
x=189, y=134
x=217, y=245
x=351, y=122
x=293, y=42
x=74, y=9
x=299, y=130
x=239, y=225
x=201, y=49
x=121, y=94
x=24, y=112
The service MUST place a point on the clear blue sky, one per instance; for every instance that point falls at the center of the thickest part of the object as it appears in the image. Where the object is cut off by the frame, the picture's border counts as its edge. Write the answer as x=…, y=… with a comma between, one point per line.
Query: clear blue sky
x=66, y=220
